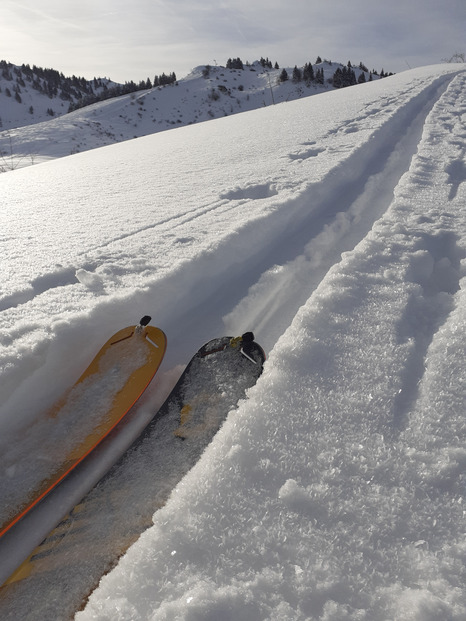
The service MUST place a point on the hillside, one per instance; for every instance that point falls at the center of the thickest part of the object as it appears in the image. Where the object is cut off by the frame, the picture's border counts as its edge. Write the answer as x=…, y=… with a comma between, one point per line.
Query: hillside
x=334, y=228
x=207, y=93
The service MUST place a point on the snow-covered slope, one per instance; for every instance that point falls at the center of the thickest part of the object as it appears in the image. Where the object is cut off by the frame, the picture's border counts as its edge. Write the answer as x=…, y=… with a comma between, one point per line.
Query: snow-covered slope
x=333, y=227
x=206, y=93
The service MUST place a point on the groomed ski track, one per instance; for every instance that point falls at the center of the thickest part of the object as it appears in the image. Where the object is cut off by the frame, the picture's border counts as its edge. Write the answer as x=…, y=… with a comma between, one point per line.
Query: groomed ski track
x=251, y=279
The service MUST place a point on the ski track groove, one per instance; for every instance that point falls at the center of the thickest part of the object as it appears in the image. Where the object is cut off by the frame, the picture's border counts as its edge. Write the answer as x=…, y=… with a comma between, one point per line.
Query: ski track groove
x=167, y=223
x=344, y=222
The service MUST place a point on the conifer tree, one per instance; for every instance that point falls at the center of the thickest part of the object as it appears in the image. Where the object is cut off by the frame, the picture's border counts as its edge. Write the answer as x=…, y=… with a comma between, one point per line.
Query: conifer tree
x=338, y=78
x=308, y=73
x=297, y=75
x=283, y=76
x=235, y=63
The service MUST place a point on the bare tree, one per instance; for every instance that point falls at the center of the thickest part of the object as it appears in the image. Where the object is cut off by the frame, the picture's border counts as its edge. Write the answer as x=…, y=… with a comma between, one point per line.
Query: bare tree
x=458, y=57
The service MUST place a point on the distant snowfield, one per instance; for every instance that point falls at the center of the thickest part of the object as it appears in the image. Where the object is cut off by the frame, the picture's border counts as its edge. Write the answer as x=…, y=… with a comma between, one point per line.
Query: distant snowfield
x=334, y=227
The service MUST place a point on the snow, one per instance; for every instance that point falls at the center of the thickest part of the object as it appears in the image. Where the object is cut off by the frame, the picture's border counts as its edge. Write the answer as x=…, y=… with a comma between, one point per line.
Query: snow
x=334, y=228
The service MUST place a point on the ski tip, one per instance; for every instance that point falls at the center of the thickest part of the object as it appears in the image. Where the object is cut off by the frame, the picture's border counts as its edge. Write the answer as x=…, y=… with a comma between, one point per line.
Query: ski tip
x=145, y=320
x=247, y=337
x=249, y=345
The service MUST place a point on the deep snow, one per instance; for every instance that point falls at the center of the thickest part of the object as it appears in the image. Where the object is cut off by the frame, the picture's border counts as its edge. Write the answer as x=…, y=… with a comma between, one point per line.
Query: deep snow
x=334, y=227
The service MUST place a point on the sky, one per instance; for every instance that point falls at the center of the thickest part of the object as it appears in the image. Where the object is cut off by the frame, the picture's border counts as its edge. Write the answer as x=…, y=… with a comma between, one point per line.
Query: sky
x=136, y=40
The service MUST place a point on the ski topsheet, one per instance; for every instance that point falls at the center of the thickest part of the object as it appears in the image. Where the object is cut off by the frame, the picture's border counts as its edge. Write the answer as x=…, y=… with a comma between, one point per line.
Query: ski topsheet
x=64, y=435
x=89, y=541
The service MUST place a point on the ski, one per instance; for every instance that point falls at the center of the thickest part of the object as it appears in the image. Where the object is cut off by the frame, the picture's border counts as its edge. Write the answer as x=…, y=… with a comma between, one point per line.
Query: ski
x=85, y=415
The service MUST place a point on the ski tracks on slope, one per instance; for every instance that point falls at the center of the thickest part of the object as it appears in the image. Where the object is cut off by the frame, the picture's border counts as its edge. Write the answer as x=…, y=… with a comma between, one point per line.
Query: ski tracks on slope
x=412, y=195
x=435, y=265
x=336, y=214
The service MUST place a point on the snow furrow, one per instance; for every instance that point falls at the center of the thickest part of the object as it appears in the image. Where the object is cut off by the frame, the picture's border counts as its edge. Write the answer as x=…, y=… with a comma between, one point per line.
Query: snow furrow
x=342, y=212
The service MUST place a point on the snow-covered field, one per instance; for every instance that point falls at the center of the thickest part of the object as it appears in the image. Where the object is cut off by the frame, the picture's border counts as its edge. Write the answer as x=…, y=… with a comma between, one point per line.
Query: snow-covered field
x=334, y=227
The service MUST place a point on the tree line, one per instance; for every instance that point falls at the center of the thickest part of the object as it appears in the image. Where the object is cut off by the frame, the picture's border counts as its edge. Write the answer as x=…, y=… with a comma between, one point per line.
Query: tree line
x=122, y=89
x=342, y=77
x=78, y=91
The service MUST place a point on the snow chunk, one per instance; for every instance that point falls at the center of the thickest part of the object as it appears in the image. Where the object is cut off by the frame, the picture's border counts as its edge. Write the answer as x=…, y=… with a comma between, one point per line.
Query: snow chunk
x=90, y=280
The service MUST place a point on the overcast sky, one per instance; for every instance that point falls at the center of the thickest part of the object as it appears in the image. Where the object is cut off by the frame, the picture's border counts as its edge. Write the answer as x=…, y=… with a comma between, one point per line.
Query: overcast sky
x=136, y=39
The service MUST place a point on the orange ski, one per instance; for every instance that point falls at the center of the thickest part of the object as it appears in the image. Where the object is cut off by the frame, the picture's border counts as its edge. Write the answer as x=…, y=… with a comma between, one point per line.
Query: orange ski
x=102, y=396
